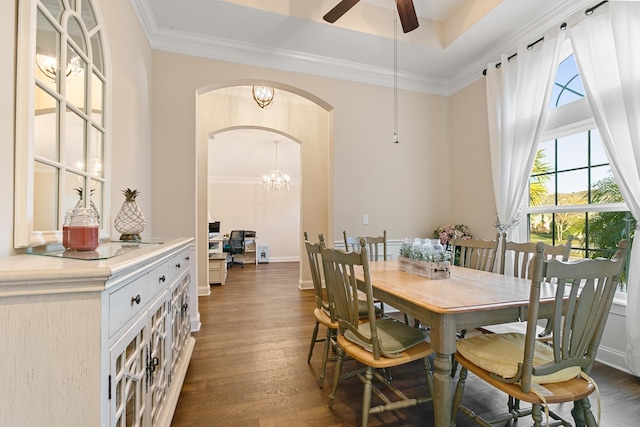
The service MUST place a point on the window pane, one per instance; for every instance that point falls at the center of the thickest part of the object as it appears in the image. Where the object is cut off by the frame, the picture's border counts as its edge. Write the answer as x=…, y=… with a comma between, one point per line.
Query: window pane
x=97, y=153
x=76, y=75
x=573, y=151
x=96, y=52
x=87, y=15
x=47, y=52
x=74, y=141
x=73, y=185
x=97, y=99
x=598, y=155
x=45, y=202
x=54, y=7
x=566, y=223
x=572, y=187
x=45, y=126
x=77, y=35
x=568, y=85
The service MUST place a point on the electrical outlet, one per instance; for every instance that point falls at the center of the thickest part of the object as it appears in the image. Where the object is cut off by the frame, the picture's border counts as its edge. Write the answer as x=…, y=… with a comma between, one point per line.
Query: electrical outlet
x=365, y=219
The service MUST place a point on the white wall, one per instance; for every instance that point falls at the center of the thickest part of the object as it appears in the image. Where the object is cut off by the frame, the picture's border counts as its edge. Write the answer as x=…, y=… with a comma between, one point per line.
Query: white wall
x=274, y=216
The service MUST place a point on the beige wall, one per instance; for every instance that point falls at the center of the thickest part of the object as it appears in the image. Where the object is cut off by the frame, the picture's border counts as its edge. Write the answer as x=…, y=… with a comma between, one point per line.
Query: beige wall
x=472, y=200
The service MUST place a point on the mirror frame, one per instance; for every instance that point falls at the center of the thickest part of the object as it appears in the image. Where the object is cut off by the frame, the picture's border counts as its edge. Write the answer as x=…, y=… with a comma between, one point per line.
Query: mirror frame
x=25, y=234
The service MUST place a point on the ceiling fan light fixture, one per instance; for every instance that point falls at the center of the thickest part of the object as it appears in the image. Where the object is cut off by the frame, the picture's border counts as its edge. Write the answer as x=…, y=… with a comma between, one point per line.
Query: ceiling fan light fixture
x=263, y=95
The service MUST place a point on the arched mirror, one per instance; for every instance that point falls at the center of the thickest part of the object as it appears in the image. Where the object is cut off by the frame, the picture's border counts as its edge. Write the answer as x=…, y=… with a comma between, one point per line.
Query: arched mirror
x=61, y=134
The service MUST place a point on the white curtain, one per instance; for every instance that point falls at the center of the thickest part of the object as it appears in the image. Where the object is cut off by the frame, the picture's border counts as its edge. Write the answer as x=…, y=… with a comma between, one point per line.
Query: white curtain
x=518, y=95
x=607, y=50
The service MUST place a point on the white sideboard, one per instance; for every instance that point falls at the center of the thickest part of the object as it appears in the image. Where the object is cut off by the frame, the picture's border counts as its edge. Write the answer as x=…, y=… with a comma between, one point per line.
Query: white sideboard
x=96, y=343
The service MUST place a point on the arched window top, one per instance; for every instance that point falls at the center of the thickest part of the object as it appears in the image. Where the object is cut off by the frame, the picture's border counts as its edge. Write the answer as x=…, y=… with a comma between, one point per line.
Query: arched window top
x=567, y=87
x=62, y=137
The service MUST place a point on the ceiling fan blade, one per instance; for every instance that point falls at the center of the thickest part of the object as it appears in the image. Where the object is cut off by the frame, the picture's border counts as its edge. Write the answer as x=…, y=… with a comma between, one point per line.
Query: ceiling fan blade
x=339, y=10
x=408, y=16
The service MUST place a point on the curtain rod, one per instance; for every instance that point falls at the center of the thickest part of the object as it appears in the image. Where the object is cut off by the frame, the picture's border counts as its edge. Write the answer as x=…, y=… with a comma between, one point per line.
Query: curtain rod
x=563, y=26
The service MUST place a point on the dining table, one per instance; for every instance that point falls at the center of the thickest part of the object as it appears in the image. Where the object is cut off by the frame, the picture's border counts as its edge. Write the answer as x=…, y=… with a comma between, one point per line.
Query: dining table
x=467, y=299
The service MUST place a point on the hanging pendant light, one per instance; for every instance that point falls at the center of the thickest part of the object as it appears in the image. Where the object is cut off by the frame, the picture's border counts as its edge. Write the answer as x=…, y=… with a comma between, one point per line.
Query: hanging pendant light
x=276, y=180
x=395, y=81
x=263, y=95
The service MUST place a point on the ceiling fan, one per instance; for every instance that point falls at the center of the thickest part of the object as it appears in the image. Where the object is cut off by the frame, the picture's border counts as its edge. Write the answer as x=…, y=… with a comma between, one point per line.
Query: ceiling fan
x=406, y=11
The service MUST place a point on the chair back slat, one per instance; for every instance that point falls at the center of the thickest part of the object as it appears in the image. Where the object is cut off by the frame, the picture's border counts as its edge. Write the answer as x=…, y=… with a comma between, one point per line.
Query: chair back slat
x=583, y=297
x=523, y=254
x=373, y=243
x=340, y=276
x=477, y=254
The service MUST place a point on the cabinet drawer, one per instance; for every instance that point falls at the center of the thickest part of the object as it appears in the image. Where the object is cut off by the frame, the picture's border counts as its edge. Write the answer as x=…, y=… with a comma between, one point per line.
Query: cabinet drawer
x=158, y=279
x=127, y=301
x=177, y=264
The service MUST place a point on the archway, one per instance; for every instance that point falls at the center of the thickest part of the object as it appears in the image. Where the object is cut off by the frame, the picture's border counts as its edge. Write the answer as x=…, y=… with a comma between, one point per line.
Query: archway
x=295, y=113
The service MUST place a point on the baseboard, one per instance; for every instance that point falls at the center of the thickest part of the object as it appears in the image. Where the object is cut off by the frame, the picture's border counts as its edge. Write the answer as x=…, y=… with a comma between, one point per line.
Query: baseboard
x=613, y=358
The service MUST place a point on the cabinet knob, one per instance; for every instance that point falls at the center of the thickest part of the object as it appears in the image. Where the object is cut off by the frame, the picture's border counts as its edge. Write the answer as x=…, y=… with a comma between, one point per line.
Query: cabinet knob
x=187, y=258
x=178, y=265
x=185, y=306
x=136, y=299
x=162, y=279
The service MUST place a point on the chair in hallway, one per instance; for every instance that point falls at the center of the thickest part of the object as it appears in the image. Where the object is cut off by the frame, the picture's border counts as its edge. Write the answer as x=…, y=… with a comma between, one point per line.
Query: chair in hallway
x=379, y=343
x=533, y=371
x=236, y=247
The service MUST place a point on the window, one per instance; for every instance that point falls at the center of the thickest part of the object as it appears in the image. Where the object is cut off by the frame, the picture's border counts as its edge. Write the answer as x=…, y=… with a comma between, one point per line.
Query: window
x=572, y=189
x=61, y=137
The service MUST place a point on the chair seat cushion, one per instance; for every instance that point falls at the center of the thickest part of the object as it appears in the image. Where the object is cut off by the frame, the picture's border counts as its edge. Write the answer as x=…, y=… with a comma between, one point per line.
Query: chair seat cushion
x=395, y=337
x=501, y=353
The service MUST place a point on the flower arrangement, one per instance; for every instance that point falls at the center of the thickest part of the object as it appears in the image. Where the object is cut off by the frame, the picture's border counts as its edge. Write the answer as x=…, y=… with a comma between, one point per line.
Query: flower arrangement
x=424, y=251
x=450, y=231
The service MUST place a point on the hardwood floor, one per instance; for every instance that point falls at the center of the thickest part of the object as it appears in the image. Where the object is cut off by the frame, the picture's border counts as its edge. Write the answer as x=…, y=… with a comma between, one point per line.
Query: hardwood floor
x=249, y=367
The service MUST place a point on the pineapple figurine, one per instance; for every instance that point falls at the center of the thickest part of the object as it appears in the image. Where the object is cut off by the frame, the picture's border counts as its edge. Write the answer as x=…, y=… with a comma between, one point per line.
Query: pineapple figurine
x=130, y=221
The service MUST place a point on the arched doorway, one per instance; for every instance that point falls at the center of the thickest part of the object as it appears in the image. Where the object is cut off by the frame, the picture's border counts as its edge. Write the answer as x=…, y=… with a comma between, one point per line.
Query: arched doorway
x=295, y=113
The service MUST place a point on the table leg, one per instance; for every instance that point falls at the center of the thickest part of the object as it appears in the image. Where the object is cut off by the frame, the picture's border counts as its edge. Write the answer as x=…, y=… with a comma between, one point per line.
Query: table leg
x=442, y=382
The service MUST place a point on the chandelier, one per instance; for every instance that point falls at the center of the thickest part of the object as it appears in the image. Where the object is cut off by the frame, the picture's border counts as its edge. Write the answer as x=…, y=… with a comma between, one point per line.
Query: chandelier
x=48, y=65
x=263, y=95
x=276, y=180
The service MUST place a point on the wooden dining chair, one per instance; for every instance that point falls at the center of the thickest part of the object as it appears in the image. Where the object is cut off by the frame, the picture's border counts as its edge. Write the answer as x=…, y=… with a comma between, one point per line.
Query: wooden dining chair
x=532, y=371
x=324, y=308
x=379, y=343
x=376, y=245
x=477, y=254
x=523, y=254
x=323, y=311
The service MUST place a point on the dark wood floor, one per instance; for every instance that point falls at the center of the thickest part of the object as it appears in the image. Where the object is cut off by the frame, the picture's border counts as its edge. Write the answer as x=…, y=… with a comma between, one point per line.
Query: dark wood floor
x=249, y=367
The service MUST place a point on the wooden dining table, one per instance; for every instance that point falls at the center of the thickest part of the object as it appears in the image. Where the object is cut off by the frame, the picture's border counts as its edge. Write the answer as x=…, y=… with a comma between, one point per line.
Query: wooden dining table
x=467, y=299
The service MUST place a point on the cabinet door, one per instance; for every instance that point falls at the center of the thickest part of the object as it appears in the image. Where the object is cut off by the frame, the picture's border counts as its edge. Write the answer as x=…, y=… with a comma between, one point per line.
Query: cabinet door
x=127, y=373
x=158, y=361
x=180, y=322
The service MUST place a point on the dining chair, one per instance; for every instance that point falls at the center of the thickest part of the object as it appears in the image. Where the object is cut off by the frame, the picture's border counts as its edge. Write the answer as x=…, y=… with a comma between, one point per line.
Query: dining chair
x=378, y=343
x=477, y=254
x=532, y=371
x=323, y=311
x=523, y=258
x=374, y=245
